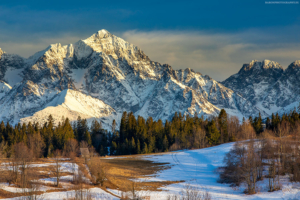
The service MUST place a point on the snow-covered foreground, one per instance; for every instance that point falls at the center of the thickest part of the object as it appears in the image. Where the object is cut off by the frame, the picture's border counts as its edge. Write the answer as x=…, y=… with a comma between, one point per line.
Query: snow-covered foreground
x=94, y=193
x=65, y=181
x=197, y=168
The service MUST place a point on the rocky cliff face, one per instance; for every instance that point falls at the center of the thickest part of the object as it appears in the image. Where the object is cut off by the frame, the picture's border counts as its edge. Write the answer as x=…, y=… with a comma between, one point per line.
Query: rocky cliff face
x=106, y=68
x=266, y=85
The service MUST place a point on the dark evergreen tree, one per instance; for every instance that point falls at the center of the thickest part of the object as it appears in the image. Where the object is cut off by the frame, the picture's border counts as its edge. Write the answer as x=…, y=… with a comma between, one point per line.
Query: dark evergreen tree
x=213, y=134
x=222, y=119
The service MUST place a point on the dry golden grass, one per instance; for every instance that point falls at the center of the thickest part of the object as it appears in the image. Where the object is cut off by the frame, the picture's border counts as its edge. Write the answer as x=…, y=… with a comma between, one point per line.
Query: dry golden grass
x=5, y=194
x=35, y=173
x=120, y=172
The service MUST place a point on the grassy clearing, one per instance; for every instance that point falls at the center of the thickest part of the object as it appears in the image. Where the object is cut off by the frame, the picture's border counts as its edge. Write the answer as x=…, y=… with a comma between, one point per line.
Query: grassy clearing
x=34, y=173
x=121, y=172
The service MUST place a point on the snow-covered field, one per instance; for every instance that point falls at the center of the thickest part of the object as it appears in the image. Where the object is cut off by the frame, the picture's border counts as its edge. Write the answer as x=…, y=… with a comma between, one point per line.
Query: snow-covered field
x=65, y=182
x=195, y=168
x=94, y=193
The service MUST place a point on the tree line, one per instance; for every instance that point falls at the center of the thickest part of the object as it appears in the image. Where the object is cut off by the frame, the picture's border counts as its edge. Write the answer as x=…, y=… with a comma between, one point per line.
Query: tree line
x=43, y=140
x=134, y=136
x=141, y=136
x=137, y=135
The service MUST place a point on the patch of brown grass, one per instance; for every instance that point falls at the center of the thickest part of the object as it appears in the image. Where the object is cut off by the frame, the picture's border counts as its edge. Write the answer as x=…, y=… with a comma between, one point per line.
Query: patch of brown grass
x=121, y=172
x=5, y=194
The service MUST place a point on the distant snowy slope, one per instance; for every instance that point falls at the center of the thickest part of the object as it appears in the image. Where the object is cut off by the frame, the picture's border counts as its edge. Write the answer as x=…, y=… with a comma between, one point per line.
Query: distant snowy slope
x=11, y=67
x=71, y=104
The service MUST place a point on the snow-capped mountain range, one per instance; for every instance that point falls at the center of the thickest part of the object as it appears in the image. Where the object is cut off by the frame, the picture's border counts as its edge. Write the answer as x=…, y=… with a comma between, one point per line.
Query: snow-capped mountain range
x=103, y=76
x=268, y=86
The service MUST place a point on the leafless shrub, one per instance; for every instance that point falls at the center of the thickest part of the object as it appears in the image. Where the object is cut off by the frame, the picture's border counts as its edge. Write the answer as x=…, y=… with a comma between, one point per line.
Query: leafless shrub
x=71, y=148
x=199, y=138
x=80, y=193
x=57, y=169
x=191, y=193
x=21, y=156
x=36, y=144
x=176, y=146
x=246, y=131
x=32, y=194
x=97, y=171
x=242, y=163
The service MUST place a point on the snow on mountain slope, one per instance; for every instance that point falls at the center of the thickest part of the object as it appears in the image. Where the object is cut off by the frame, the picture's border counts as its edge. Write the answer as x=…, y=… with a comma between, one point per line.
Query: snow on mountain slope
x=254, y=78
x=118, y=73
x=289, y=108
x=23, y=100
x=11, y=67
x=71, y=104
x=13, y=76
x=266, y=85
x=4, y=88
x=287, y=88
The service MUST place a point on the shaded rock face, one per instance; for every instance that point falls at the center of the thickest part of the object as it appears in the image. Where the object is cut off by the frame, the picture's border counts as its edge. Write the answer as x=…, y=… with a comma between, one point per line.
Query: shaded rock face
x=10, y=63
x=253, y=77
x=266, y=85
x=107, y=68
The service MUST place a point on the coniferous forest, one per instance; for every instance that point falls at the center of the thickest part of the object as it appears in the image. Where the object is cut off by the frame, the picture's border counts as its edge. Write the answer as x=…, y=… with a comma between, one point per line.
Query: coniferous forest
x=139, y=135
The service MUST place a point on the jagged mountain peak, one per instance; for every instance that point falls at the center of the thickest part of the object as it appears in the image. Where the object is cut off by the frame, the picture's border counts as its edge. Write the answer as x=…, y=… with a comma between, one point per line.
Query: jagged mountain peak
x=255, y=65
x=268, y=64
x=111, y=71
x=267, y=85
x=100, y=35
x=294, y=66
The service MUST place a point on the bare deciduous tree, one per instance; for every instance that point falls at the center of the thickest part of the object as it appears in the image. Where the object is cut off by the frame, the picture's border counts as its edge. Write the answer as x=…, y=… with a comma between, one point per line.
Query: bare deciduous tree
x=191, y=193
x=97, y=171
x=71, y=148
x=247, y=131
x=199, y=138
x=57, y=170
x=242, y=163
x=36, y=144
x=233, y=128
x=22, y=157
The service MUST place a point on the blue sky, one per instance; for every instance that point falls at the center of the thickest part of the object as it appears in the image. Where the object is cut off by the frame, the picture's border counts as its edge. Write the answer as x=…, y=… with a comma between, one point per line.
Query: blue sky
x=212, y=37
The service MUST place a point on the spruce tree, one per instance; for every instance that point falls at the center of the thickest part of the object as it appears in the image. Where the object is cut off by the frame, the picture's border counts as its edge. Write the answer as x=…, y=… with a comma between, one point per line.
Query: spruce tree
x=223, y=126
x=145, y=149
x=123, y=127
x=87, y=137
x=133, y=146
x=213, y=134
x=67, y=130
x=138, y=147
x=165, y=144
